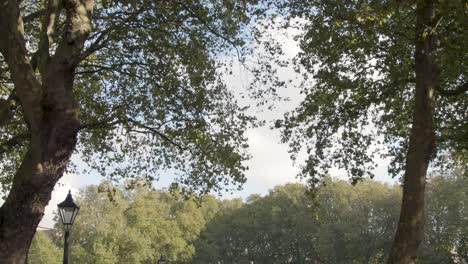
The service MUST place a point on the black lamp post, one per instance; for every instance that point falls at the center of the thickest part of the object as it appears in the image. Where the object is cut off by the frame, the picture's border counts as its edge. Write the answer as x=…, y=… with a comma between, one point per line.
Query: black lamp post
x=67, y=211
x=161, y=259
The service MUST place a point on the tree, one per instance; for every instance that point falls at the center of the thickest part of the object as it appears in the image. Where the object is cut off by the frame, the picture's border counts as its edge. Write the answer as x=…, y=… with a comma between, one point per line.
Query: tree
x=446, y=232
x=356, y=223
x=220, y=240
x=114, y=80
x=43, y=251
x=339, y=224
x=381, y=73
x=136, y=226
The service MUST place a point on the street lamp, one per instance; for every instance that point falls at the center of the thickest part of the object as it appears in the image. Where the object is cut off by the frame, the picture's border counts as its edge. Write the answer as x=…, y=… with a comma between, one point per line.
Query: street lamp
x=67, y=211
x=161, y=259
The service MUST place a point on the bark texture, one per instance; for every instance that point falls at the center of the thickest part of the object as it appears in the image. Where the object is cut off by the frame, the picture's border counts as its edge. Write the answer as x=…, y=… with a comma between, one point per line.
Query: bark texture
x=421, y=144
x=51, y=114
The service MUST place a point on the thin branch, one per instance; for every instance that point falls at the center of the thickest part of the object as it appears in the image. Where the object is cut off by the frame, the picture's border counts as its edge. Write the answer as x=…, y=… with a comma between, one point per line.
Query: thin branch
x=107, y=122
x=457, y=91
x=155, y=131
x=212, y=30
x=99, y=124
x=114, y=68
x=100, y=42
x=33, y=16
x=13, y=142
x=7, y=107
x=103, y=39
x=89, y=72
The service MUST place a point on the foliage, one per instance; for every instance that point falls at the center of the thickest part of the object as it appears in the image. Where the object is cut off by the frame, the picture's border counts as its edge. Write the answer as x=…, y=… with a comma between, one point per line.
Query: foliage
x=446, y=231
x=137, y=226
x=339, y=223
x=149, y=85
x=43, y=251
x=357, y=64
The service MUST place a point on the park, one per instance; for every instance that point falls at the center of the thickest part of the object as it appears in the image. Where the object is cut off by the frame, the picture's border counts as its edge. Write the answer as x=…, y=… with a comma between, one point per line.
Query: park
x=233, y=131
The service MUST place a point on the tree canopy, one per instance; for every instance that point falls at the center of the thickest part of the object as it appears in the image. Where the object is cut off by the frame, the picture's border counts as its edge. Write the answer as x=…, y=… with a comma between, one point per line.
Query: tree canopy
x=135, y=87
x=339, y=223
x=43, y=250
x=136, y=226
x=382, y=79
x=358, y=68
x=148, y=85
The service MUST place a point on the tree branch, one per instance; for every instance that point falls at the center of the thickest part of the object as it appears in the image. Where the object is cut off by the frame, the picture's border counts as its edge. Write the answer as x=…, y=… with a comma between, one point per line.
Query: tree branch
x=103, y=38
x=112, y=68
x=99, y=125
x=51, y=18
x=13, y=142
x=7, y=107
x=98, y=44
x=207, y=26
x=33, y=16
x=155, y=131
x=106, y=122
x=77, y=30
x=457, y=91
x=13, y=49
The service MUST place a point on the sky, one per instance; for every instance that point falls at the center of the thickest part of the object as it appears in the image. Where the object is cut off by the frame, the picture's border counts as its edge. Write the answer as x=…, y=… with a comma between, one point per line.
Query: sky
x=269, y=166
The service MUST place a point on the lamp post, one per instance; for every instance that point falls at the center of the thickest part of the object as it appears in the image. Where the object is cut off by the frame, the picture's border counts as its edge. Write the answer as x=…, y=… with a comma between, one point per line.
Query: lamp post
x=161, y=259
x=67, y=211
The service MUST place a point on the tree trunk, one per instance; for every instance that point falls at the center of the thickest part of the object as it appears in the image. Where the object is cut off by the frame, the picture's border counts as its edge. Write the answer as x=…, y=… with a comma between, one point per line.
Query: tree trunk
x=421, y=144
x=50, y=113
x=43, y=165
x=30, y=193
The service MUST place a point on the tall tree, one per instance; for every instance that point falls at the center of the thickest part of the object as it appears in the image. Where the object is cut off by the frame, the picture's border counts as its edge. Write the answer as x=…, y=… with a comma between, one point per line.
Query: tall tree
x=381, y=73
x=133, y=86
x=43, y=251
x=340, y=224
x=445, y=232
x=136, y=226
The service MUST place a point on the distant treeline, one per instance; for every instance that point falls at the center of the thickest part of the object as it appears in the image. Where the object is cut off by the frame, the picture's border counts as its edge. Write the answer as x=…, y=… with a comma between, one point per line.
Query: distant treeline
x=338, y=223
